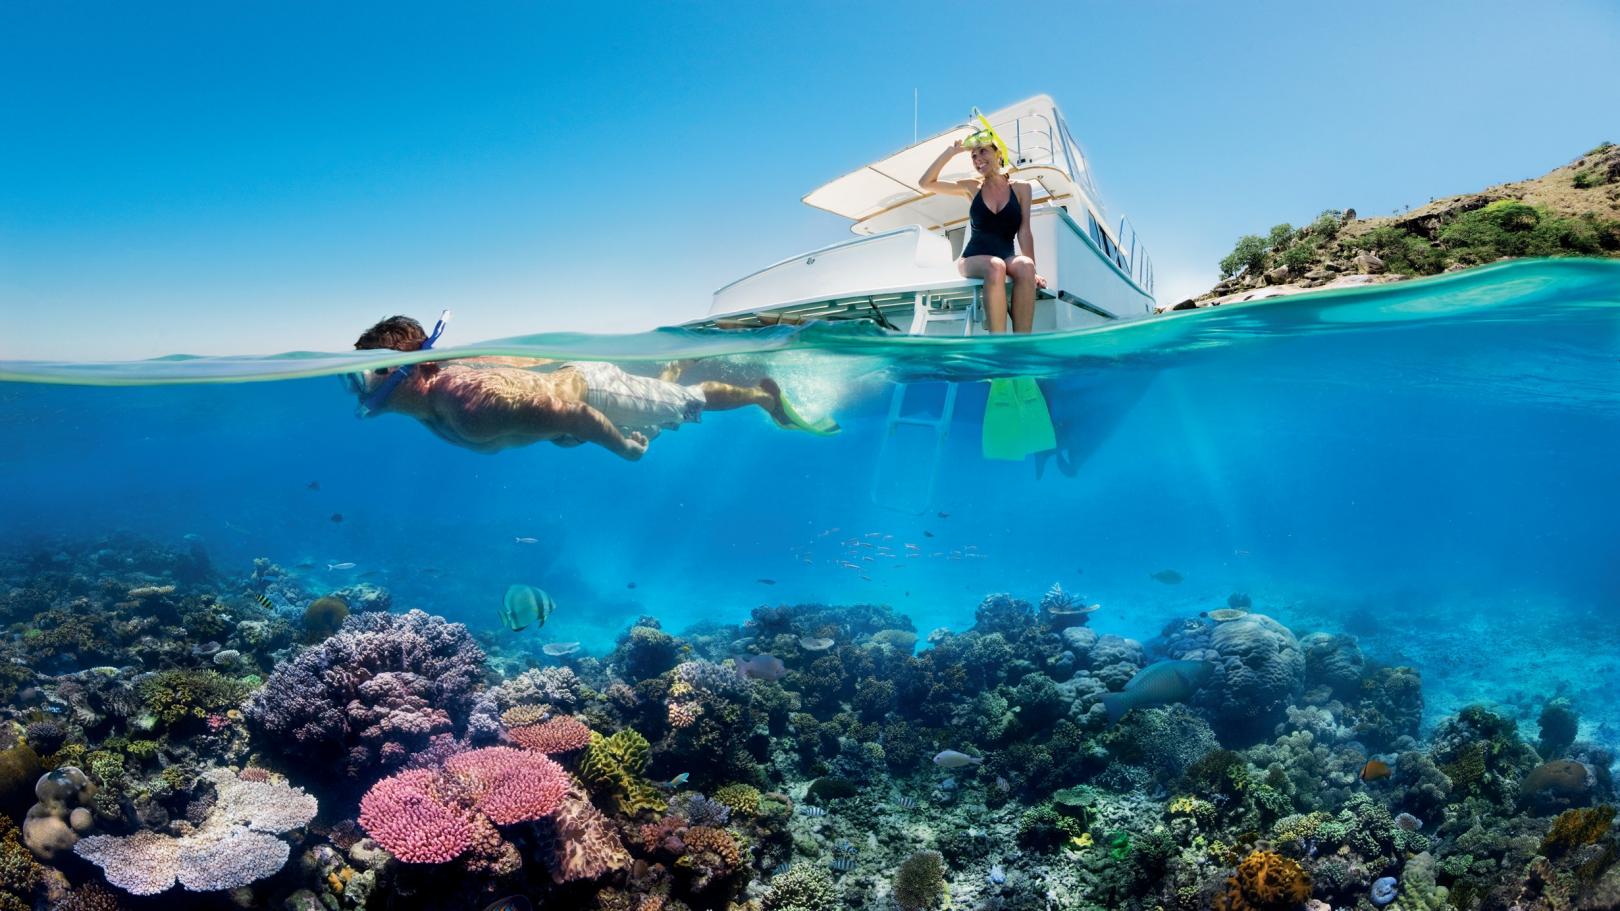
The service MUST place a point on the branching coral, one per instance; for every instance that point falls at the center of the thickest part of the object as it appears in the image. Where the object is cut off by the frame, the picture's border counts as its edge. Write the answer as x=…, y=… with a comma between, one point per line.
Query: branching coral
x=563, y=734
x=426, y=816
x=1265, y=881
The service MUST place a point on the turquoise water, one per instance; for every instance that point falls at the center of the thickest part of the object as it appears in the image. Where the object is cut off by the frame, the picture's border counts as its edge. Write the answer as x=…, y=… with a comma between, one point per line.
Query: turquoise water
x=1452, y=437
x=1450, y=441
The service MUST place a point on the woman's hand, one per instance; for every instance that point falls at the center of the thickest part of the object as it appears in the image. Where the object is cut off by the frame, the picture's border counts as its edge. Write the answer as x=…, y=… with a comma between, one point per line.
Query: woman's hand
x=1040, y=280
x=957, y=148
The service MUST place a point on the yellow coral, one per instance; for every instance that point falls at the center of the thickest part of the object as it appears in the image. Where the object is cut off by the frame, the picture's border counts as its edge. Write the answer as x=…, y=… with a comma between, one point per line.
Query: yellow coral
x=616, y=762
x=1081, y=841
x=741, y=798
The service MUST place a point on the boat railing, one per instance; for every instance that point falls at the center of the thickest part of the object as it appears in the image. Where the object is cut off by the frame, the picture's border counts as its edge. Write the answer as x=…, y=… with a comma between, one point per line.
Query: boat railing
x=1132, y=255
x=1034, y=142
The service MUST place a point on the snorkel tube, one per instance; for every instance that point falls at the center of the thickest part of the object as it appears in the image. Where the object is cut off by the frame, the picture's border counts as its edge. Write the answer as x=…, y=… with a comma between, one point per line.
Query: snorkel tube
x=995, y=138
x=373, y=402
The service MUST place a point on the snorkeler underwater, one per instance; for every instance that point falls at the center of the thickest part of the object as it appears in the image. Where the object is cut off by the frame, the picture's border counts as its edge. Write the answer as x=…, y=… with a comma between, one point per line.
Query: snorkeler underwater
x=1036, y=549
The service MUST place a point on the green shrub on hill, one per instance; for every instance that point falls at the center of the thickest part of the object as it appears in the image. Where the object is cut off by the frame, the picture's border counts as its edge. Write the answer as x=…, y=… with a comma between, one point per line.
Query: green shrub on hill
x=1250, y=254
x=1299, y=257
x=1510, y=228
x=1326, y=225
x=1402, y=251
x=1281, y=236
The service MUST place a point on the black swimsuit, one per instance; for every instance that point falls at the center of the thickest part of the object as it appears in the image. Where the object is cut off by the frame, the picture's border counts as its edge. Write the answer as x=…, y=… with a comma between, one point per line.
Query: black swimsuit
x=993, y=232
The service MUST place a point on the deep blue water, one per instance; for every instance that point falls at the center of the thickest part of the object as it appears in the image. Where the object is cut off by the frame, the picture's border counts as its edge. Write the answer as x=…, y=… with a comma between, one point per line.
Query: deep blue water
x=1423, y=463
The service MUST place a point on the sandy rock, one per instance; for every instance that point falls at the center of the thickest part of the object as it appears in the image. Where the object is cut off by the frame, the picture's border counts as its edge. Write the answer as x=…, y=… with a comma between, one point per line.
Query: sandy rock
x=1369, y=263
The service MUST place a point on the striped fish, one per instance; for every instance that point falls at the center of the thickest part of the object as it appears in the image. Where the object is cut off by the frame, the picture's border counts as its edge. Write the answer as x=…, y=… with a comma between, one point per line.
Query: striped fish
x=780, y=868
x=842, y=864
x=906, y=803
x=813, y=812
x=264, y=602
x=843, y=846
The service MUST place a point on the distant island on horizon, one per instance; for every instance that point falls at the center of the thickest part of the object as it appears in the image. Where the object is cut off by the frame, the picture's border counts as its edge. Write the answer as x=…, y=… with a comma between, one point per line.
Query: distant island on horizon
x=1573, y=210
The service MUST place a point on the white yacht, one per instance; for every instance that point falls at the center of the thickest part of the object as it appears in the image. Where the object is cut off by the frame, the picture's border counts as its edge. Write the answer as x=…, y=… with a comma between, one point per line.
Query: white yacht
x=900, y=269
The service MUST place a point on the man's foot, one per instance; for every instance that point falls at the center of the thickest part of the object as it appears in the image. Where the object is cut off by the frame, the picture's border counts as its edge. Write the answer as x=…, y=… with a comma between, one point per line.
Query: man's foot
x=785, y=416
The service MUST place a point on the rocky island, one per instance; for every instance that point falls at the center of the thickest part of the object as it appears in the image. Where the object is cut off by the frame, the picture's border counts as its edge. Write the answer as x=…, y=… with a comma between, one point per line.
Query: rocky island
x=1573, y=210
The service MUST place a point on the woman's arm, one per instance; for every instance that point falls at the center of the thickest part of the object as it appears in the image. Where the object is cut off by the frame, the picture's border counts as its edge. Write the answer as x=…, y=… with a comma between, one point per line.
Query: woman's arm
x=930, y=180
x=1026, y=236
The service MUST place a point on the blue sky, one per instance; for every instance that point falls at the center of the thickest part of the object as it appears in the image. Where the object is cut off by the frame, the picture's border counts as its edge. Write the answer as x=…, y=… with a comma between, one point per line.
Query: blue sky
x=250, y=178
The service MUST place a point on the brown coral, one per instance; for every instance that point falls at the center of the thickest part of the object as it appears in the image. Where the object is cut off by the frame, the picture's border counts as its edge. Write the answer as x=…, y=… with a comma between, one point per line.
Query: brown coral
x=718, y=842
x=584, y=844
x=1577, y=828
x=1265, y=881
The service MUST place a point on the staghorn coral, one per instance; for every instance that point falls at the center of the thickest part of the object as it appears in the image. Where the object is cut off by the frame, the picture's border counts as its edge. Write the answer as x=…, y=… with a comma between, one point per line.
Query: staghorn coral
x=373, y=693
x=563, y=734
x=617, y=762
x=1265, y=881
x=403, y=813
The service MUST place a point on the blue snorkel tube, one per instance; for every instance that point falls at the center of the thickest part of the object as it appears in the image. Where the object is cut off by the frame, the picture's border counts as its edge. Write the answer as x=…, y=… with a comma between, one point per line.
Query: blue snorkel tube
x=371, y=403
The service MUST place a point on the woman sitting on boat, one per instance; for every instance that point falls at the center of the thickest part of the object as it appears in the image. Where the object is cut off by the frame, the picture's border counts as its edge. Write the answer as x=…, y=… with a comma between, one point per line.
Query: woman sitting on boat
x=999, y=213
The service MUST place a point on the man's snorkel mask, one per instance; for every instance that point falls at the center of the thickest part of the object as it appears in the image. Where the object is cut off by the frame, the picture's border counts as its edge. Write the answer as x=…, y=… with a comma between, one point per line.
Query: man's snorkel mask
x=372, y=402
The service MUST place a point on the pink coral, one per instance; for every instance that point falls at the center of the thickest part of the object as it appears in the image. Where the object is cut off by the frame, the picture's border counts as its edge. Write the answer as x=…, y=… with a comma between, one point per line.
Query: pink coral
x=510, y=786
x=683, y=714
x=402, y=814
x=559, y=735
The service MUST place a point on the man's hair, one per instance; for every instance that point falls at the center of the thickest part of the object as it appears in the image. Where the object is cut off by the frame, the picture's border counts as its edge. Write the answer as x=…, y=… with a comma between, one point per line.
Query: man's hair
x=400, y=333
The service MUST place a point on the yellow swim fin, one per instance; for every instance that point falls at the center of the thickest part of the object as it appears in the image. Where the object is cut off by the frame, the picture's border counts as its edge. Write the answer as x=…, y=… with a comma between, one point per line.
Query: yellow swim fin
x=1016, y=420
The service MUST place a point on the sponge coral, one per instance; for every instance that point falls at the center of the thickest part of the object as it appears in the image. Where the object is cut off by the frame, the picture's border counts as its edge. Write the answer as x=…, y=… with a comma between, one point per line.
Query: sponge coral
x=584, y=844
x=1265, y=881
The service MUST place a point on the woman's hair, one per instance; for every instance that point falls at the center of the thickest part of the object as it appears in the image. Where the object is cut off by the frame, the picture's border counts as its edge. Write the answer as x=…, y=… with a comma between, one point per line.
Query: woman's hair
x=400, y=333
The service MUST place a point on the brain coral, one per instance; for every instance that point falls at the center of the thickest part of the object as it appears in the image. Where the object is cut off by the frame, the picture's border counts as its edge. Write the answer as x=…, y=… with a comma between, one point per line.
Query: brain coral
x=1259, y=668
x=1333, y=661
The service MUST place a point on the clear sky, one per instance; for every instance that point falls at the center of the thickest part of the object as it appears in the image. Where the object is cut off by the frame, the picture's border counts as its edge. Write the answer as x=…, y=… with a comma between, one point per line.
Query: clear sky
x=245, y=178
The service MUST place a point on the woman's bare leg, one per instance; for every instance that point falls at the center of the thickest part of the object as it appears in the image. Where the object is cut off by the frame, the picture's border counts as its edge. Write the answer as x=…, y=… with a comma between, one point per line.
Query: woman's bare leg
x=1022, y=272
x=993, y=269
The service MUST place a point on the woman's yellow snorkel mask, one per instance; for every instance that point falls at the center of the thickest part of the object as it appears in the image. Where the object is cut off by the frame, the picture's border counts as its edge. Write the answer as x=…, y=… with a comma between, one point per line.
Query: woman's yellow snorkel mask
x=987, y=136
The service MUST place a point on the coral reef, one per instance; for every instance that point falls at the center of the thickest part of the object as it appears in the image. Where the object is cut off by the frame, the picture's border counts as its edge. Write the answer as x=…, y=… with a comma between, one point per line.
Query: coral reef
x=372, y=693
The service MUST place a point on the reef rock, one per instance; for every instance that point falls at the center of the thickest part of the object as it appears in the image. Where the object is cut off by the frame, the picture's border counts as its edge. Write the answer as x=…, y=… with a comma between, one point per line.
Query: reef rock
x=1259, y=669
x=1333, y=661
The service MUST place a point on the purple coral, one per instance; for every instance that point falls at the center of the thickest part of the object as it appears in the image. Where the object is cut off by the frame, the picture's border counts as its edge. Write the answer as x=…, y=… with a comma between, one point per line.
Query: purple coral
x=373, y=693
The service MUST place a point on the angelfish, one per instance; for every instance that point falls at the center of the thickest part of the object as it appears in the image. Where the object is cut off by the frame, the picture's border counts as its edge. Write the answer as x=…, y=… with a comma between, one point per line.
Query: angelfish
x=523, y=605
x=1160, y=683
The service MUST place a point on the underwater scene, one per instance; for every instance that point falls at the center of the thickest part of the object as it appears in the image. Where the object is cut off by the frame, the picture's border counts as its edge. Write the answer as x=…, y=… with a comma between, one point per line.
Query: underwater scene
x=1309, y=603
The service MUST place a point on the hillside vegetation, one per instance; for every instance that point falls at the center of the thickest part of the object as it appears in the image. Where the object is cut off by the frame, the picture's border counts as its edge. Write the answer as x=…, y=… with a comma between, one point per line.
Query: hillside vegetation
x=1571, y=211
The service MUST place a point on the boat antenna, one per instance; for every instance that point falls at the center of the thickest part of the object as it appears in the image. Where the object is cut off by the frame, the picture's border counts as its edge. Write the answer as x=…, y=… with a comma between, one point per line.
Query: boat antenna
x=913, y=116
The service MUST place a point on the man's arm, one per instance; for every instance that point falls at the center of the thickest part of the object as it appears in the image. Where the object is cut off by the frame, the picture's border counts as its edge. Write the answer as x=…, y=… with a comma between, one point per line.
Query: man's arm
x=582, y=422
